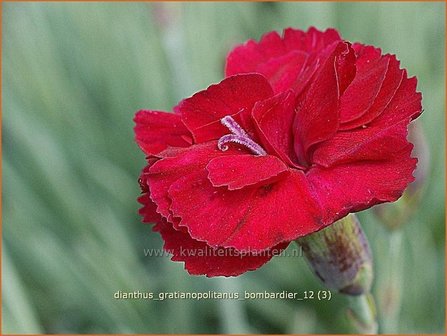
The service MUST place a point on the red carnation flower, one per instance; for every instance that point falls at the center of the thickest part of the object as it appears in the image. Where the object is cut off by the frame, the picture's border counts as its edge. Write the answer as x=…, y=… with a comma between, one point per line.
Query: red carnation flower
x=305, y=129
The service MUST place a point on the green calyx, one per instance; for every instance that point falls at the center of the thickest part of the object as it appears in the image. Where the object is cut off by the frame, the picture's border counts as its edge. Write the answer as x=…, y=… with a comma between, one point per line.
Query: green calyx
x=340, y=256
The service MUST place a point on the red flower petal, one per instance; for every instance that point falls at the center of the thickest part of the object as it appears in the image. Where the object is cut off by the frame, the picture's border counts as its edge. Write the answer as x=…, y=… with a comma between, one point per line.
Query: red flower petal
x=317, y=115
x=176, y=164
x=238, y=171
x=383, y=137
x=405, y=105
x=361, y=93
x=365, y=53
x=369, y=144
x=389, y=88
x=282, y=60
x=253, y=218
x=311, y=41
x=247, y=57
x=155, y=131
x=273, y=118
x=286, y=72
x=345, y=66
x=358, y=186
x=148, y=211
x=234, y=96
x=169, y=169
x=200, y=258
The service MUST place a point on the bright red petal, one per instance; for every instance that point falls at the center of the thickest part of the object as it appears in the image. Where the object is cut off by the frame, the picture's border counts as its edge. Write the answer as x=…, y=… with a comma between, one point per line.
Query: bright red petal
x=252, y=218
x=234, y=96
x=199, y=258
x=358, y=186
x=274, y=118
x=155, y=131
x=238, y=171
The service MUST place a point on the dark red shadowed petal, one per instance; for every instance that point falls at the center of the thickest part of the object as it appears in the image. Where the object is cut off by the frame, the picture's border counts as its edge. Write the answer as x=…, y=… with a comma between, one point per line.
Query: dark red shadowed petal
x=199, y=258
x=361, y=93
x=149, y=209
x=238, y=171
x=317, y=114
x=273, y=119
x=357, y=186
x=234, y=96
x=252, y=218
x=155, y=131
x=287, y=62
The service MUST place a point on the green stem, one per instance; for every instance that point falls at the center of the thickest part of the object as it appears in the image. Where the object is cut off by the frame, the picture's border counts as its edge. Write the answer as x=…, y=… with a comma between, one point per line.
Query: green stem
x=390, y=284
x=361, y=314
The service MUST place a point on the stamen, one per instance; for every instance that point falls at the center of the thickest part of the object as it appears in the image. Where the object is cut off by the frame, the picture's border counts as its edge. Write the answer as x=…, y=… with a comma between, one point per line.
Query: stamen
x=239, y=136
x=233, y=126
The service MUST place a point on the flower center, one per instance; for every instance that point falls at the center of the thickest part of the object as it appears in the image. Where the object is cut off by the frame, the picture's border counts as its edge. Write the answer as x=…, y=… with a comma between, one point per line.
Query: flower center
x=238, y=136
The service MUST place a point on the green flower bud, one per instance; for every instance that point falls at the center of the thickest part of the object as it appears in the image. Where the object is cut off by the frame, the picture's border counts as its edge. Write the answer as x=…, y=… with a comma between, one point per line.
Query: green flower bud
x=340, y=256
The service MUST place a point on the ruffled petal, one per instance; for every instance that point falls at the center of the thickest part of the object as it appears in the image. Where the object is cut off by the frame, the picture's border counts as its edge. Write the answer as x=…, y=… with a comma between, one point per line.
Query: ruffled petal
x=155, y=131
x=273, y=119
x=252, y=218
x=288, y=62
x=163, y=173
x=387, y=91
x=313, y=40
x=149, y=209
x=201, y=259
x=405, y=105
x=239, y=171
x=368, y=144
x=363, y=90
x=234, y=96
x=357, y=186
x=381, y=138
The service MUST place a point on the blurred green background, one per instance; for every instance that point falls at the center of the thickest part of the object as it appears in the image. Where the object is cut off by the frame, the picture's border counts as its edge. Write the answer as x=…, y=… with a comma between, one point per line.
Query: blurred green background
x=73, y=76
